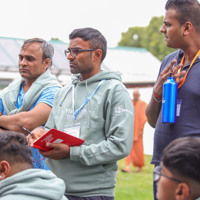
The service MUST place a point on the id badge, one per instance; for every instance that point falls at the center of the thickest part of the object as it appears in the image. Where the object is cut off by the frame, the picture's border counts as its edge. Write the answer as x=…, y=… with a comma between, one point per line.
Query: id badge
x=73, y=130
x=178, y=108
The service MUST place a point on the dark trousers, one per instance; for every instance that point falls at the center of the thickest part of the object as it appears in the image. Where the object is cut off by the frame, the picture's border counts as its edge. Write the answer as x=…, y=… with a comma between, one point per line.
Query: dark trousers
x=89, y=198
x=154, y=188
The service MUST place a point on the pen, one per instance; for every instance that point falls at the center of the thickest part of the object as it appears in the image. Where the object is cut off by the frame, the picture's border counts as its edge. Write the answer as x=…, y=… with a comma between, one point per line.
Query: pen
x=27, y=130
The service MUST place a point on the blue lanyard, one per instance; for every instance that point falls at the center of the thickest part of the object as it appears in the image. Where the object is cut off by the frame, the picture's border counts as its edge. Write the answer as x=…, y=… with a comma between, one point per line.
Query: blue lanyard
x=76, y=112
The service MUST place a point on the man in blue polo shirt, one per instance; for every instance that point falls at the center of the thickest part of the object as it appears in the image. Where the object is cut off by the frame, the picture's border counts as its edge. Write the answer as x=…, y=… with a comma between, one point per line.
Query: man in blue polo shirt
x=182, y=30
x=27, y=102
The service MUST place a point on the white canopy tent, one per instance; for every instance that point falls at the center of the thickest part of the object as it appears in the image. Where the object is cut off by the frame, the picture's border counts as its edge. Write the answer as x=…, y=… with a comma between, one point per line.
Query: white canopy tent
x=136, y=65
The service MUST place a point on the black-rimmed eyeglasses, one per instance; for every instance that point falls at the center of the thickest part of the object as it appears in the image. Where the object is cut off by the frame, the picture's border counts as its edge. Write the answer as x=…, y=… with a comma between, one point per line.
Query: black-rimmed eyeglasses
x=75, y=52
x=157, y=174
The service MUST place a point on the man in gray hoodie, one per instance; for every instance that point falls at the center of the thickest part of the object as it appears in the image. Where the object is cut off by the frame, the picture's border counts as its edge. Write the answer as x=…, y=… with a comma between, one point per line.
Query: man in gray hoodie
x=18, y=179
x=97, y=108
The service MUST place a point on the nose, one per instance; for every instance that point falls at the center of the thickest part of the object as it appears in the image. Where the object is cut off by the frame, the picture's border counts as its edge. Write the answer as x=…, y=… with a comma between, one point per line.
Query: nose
x=162, y=29
x=69, y=56
x=22, y=61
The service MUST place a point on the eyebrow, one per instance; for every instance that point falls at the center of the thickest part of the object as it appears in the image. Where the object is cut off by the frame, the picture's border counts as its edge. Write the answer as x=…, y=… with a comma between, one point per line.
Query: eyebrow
x=27, y=56
x=74, y=48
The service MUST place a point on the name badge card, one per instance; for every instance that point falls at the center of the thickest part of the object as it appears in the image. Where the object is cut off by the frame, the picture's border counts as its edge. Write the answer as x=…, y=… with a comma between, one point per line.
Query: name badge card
x=73, y=130
x=178, y=108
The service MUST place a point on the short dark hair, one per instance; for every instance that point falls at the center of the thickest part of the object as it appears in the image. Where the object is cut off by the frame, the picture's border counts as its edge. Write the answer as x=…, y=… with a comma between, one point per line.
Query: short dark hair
x=47, y=48
x=14, y=148
x=182, y=157
x=187, y=10
x=94, y=37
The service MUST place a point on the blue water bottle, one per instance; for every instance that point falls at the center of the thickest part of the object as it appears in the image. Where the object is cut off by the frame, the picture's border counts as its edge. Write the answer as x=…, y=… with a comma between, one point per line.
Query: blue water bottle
x=169, y=100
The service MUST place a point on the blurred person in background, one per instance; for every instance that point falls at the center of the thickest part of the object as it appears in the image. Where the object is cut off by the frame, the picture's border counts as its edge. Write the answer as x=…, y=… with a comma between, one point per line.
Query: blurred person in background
x=136, y=156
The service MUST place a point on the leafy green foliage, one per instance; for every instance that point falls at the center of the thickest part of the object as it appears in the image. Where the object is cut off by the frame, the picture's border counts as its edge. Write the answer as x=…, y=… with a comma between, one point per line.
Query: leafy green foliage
x=57, y=39
x=148, y=37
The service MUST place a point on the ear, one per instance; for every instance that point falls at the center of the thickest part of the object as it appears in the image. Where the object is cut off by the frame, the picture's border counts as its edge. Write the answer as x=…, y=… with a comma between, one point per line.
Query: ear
x=4, y=169
x=98, y=54
x=187, y=28
x=182, y=191
x=46, y=63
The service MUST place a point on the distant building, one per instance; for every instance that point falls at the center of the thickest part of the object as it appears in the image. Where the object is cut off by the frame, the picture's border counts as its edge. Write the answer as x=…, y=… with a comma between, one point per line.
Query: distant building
x=137, y=66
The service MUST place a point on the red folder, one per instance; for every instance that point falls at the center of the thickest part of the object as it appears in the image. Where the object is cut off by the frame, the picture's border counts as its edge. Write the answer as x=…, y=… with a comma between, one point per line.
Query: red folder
x=56, y=136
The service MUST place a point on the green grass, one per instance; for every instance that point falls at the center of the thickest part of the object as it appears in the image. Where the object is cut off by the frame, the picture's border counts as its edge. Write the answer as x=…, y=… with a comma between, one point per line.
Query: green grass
x=135, y=186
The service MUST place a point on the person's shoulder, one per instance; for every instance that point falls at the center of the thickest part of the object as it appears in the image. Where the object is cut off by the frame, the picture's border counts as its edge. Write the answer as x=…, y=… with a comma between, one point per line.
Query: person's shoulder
x=143, y=102
x=173, y=55
x=116, y=84
x=168, y=59
x=64, y=90
x=112, y=79
x=52, y=88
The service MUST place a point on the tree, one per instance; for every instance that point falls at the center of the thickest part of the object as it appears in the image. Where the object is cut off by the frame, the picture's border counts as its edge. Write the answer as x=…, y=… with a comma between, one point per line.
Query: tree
x=57, y=39
x=148, y=37
x=133, y=37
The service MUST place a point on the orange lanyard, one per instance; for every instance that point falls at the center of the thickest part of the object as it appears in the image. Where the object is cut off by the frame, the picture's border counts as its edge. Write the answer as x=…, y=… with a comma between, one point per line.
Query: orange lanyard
x=183, y=81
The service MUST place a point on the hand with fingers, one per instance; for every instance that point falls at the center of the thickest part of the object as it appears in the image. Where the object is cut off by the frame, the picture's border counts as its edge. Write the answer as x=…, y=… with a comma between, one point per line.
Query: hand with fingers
x=35, y=134
x=178, y=76
x=58, y=151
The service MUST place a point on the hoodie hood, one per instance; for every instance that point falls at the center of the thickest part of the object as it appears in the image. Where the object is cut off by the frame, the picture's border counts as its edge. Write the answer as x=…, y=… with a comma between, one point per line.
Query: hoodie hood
x=33, y=184
x=97, y=77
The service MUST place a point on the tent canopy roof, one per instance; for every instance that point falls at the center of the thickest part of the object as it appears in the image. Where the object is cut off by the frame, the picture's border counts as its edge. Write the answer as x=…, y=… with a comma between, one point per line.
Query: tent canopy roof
x=134, y=64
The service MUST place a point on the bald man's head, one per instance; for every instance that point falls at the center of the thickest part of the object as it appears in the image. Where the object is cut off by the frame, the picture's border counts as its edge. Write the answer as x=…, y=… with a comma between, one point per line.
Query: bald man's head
x=136, y=95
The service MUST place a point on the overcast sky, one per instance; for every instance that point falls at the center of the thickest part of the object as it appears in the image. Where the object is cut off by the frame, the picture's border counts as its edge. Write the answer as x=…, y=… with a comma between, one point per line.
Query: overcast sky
x=57, y=18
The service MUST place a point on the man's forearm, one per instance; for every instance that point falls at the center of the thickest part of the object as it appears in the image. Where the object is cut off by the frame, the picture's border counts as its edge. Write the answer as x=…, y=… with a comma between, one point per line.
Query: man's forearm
x=10, y=122
x=28, y=119
x=153, y=111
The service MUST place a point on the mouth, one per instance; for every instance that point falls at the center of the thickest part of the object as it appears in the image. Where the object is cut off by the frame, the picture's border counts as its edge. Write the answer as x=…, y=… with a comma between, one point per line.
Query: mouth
x=22, y=70
x=71, y=65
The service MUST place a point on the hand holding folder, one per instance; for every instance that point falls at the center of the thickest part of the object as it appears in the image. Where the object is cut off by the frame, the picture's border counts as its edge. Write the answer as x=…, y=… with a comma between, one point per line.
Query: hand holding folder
x=56, y=136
